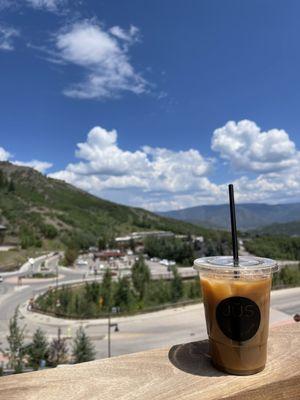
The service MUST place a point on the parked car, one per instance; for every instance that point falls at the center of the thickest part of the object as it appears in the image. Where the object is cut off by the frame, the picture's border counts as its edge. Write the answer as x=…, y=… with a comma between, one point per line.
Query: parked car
x=167, y=263
x=164, y=262
x=82, y=262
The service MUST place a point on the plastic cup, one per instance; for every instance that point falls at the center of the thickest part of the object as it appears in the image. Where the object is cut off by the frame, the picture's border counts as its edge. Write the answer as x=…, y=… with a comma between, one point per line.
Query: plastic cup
x=237, y=305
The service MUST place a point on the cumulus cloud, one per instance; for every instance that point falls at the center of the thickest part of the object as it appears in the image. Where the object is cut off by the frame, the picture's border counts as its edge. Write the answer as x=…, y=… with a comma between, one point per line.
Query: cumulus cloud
x=163, y=179
x=41, y=166
x=4, y=155
x=246, y=147
x=7, y=36
x=49, y=5
x=103, y=56
x=105, y=168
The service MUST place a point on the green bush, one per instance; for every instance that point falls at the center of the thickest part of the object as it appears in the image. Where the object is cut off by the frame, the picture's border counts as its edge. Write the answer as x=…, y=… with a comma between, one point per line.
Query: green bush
x=287, y=276
x=49, y=231
x=29, y=238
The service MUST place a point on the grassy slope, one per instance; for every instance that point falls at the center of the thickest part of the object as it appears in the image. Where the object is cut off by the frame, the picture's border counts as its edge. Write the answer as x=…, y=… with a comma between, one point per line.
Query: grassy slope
x=38, y=200
x=288, y=228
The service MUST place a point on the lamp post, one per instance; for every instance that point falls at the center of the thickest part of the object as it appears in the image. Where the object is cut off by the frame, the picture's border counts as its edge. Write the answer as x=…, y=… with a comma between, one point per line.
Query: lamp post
x=111, y=325
x=56, y=276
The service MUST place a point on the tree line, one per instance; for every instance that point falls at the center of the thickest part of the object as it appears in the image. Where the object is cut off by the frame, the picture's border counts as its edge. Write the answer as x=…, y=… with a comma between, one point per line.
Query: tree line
x=276, y=247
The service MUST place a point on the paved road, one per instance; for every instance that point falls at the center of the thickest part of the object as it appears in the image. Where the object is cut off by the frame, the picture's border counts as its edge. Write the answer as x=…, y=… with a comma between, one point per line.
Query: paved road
x=147, y=331
x=12, y=295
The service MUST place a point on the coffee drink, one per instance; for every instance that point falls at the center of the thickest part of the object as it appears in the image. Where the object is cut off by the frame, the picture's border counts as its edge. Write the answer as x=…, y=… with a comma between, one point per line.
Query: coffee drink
x=237, y=303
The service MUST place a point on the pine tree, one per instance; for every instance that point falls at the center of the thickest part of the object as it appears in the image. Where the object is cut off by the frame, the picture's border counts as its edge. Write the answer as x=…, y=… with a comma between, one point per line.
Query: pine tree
x=140, y=275
x=102, y=243
x=15, y=339
x=176, y=286
x=83, y=349
x=71, y=255
x=123, y=295
x=194, y=289
x=38, y=349
x=58, y=351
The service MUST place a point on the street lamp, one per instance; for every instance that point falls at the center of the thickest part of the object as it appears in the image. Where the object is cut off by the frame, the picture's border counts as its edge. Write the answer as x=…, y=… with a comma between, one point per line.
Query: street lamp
x=114, y=310
x=56, y=275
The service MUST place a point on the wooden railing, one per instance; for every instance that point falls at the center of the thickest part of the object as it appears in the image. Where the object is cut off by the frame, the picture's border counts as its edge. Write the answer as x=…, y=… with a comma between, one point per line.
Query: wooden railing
x=180, y=372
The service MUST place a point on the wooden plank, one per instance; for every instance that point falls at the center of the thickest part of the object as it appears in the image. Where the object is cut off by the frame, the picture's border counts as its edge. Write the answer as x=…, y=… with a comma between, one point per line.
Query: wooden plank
x=182, y=372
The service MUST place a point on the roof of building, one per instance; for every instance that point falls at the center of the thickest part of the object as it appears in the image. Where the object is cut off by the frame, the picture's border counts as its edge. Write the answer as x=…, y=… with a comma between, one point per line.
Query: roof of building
x=109, y=253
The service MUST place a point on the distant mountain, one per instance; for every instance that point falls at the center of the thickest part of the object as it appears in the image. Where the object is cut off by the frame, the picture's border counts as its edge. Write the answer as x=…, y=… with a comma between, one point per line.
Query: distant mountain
x=249, y=216
x=38, y=211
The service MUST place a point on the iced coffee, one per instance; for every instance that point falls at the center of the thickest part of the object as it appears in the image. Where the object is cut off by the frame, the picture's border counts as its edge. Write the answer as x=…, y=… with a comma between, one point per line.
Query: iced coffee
x=237, y=303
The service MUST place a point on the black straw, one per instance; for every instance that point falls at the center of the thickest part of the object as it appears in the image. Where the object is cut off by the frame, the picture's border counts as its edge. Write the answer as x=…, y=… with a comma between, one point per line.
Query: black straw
x=235, y=250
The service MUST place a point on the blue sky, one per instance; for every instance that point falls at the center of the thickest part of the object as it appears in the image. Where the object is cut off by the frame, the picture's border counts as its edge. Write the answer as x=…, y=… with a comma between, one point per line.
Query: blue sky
x=155, y=103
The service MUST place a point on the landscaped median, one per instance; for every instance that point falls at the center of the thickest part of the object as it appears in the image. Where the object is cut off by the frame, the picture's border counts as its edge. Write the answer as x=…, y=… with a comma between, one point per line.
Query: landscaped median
x=97, y=300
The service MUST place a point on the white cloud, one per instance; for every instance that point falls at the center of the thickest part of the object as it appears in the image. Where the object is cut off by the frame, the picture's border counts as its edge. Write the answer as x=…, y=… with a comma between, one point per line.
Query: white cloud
x=40, y=166
x=4, y=155
x=7, y=36
x=105, y=168
x=163, y=179
x=104, y=57
x=247, y=148
x=49, y=5
x=131, y=36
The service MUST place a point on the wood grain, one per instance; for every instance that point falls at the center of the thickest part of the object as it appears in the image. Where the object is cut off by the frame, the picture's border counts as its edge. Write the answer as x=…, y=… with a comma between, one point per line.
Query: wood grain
x=182, y=372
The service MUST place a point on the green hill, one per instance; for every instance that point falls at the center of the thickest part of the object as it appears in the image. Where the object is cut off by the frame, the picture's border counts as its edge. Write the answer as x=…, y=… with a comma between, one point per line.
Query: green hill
x=289, y=229
x=41, y=211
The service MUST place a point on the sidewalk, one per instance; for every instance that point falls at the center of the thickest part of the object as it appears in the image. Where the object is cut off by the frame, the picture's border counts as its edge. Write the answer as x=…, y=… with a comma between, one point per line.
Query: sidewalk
x=25, y=267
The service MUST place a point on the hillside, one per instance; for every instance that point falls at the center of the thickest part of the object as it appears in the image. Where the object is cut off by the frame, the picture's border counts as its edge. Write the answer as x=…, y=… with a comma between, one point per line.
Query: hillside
x=249, y=216
x=38, y=210
x=288, y=228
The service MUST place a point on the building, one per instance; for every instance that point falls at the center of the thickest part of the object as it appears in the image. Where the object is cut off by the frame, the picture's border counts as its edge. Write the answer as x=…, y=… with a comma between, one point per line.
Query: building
x=106, y=255
x=138, y=237
x=145, y=234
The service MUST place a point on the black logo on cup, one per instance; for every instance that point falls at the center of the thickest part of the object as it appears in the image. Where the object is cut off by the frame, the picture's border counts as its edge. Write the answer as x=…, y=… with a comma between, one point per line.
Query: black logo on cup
x=238, y=318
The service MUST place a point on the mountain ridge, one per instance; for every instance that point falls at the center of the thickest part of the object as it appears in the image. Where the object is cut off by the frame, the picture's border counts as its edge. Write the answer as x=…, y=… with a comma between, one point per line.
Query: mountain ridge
x=249, y=215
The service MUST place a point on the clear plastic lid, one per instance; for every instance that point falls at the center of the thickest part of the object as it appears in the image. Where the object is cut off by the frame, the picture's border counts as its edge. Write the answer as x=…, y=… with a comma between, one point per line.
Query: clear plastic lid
x=225, y=264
